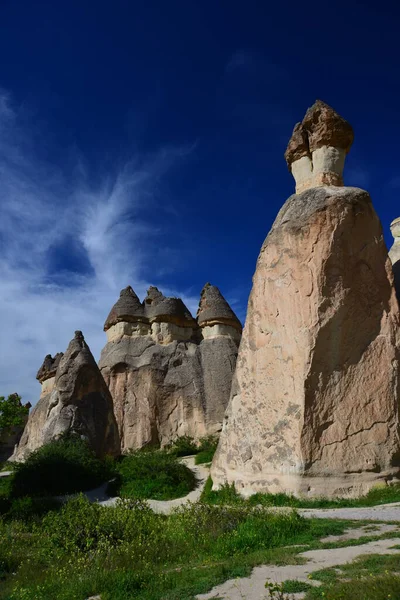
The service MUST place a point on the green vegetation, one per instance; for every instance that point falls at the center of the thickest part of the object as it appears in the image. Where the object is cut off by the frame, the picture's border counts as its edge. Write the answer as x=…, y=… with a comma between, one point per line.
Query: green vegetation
x=373, y=577
x=206, y=449
x=203, y=450
x=60, y=467
x=182, y=446
x=291, y=586
x=156, y=475
x=12, y=412
x=228, y=495
x=128, y=552
x=76, y=550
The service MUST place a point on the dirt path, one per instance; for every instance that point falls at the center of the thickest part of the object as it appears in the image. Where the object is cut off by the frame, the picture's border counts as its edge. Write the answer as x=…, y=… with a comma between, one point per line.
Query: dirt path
x=160, y=506
x=253, y=587
x=383, y=512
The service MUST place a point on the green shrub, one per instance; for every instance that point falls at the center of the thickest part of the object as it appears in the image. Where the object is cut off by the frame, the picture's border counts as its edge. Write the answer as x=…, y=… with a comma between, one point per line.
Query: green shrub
x=182, y=446
x=206, y=449
x=156, y=475
x=59, y=467
x=227, y=494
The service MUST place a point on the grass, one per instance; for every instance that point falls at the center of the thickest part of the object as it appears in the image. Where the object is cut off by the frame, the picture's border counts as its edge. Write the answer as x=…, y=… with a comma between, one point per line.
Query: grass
x=157, y=475
x=374, y=577
x=228, y=495
x=125, y=552
x=291, y=586
x=128, y=551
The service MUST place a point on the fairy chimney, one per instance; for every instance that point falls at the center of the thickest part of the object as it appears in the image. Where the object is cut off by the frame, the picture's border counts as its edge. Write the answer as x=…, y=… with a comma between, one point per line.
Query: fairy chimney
x=169, y=318
x=215, y=316
x=317, y=149
x=126, y=317
x=314, y=405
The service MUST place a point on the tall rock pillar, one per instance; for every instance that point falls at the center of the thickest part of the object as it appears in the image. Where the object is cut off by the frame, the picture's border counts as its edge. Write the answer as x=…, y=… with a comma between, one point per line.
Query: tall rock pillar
x=314, y=402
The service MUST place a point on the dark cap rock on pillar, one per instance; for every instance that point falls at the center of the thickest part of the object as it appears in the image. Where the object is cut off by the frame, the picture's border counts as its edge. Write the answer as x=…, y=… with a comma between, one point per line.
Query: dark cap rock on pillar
x=317, y=149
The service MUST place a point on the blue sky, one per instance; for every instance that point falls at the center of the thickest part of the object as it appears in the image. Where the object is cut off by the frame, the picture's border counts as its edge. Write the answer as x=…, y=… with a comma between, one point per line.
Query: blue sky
x=142, y=143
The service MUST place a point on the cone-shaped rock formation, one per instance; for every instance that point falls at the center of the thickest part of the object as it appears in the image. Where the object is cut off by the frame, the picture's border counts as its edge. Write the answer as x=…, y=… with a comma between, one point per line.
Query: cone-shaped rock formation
x=166, y=378
x=314, y=407
x=78, y=401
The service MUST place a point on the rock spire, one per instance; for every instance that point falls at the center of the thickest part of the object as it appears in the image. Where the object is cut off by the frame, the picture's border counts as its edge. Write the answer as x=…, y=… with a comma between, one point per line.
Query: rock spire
x=128, y=308
x=314, y=405
x=79, y=402
x=317, y=149
x=214, y=309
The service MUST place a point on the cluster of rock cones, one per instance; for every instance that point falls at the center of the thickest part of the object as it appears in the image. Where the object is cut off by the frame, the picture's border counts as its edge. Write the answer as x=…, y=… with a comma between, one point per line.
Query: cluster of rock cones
x=161, y=375
x=313, y=408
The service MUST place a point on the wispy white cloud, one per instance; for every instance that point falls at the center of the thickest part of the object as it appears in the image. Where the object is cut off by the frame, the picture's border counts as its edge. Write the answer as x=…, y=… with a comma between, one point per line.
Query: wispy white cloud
x=44, y=209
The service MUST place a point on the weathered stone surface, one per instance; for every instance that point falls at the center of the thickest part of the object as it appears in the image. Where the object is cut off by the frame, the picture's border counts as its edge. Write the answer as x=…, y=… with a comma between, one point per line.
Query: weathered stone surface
x=213, y=308
x=314, y=407
x=49, y=367
x=317, y=149
x=169, y=381
x=127, y=309
x=159, y=308
x=78, y=402
x=395, y=254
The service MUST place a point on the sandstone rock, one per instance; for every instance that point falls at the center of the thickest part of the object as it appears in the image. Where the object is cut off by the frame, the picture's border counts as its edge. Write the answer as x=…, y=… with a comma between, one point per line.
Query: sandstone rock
x=317, y=149
x=167, y=380
x=127, y=309
x=395, y=254
x=49, y=367
x=314, y=407
x=214, y=309
x=77, y=400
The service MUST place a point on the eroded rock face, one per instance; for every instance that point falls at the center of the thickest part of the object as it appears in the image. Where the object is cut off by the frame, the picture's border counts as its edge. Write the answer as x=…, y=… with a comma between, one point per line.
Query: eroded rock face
x=314, y=403
x=395, y=254
x=165, y=377
x=75, y=399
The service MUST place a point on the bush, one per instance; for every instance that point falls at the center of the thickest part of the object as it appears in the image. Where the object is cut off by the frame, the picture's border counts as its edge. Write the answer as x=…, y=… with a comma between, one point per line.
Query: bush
x=60, y=467
x=12, y=412
x=206, y=450
x=156, y=475
x=182, y=446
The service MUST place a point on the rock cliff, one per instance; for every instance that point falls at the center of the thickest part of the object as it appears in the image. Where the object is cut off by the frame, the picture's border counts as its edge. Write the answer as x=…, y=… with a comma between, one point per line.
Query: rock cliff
x=169, y=375
x=314, y=407
x=74, y=399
